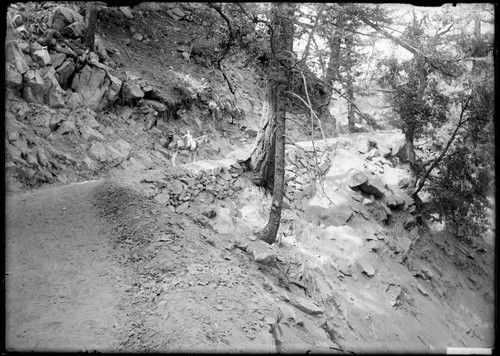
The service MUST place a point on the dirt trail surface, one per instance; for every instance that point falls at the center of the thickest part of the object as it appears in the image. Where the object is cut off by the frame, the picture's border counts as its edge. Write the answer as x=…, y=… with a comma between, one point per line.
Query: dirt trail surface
x=59, y=277
x=132, y=281
x=101, y=266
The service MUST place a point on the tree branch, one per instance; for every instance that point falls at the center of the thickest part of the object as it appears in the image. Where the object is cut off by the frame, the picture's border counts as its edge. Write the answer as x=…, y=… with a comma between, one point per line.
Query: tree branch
x=443, y=153
x=228, y=46
x=439, y=34
x=355, y=106
x=311, y=33
x=432, y=61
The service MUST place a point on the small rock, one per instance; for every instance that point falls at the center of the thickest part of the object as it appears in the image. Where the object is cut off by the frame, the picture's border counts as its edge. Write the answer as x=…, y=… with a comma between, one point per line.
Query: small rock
x=306, y=305
x=176, y=14
x=410, y=222
x=366, y=268
x=363, y=144
x=41, y=57
x=263, y=253
x=373, y=186
x=210, y=212
x=357, y=178
x=422, y=290
x=365, y=214
x=88, y=133
x=357, y=197
x=372, y=153
x=162, y=198
x=182, y=208
x=427, y=273
x=345, y=271
x=394, y=295
x=242, y=245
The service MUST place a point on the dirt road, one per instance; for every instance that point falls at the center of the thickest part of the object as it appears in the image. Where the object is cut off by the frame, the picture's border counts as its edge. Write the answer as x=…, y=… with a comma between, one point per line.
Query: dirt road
x=59, y=289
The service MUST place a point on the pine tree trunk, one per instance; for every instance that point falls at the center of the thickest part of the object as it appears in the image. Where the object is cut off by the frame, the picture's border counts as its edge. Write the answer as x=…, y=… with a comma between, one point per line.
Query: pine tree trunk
x=410, y=148
x=351, y=119
x=268, y=158
x=268, y=234
x=410, y=130
x=262, y=157
x=89, y=37
x=331, y=76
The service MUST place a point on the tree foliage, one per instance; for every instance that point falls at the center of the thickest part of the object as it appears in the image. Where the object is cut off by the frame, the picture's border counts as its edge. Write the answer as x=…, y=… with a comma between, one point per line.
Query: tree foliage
x=462, y=190
x=426, y=93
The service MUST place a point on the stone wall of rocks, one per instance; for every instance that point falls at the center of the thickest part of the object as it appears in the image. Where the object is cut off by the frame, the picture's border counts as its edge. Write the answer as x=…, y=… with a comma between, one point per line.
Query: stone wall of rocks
x=182, y=188
x=303, y=168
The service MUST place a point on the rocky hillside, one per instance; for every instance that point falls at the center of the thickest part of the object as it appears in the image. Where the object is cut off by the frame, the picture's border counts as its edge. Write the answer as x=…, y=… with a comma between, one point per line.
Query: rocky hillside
x=355, y=269
x=72, y=113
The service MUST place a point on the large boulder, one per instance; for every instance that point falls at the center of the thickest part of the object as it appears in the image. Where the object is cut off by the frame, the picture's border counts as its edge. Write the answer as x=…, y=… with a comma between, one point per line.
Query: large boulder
x=306, y=305
x=41, y=57
x=53, y=93
x=373, y=185
x=115, y=156
x=86, y=118
x=57, y=59
x=64, y=16
x=380, y=212
x=383, y=149
x=55, y=98
x=13, y=79
x=67, y=127
x=88, y=133
x=131, y=91
x=176, y=13
x=74, y=100
x=399, y=149
x=92, y=84
x=123, y=147
x=409, y=222
x=97, y=151
x=357, y=178
x=394, y=201
x=337, y=215
x=372, y=154
x=365, y=267
x=363, y=144
x=33, y=86
x=160, y=107
x=262, y=252
x=114, y=87
x=75, y=30
x=14, y=56
x=64, y=71
x=126, y=12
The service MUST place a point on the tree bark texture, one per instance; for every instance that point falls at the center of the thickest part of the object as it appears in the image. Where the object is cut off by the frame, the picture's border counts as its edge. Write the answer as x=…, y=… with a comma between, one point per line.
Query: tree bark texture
x=410, y=126
x=89, y=37
x=270, y=231
x=273, y=120
x=349, y=84
x=262, y=157
x=331, y=76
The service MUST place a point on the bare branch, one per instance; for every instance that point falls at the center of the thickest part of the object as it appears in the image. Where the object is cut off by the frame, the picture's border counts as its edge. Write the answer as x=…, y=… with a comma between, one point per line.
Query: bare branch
x=357, y=109
x=439, y=34
x=311, y=33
